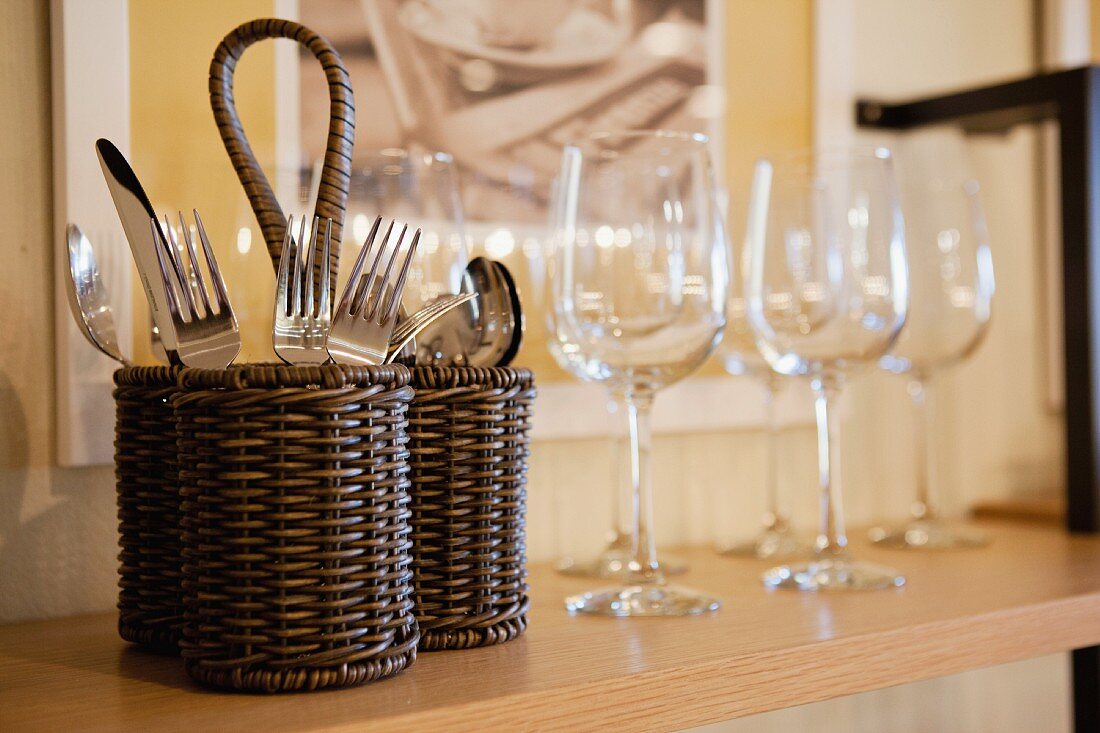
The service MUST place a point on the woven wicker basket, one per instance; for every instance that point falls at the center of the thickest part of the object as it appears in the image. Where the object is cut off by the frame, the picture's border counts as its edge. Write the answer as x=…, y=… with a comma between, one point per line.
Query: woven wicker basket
x=469, y=446
x=150, y=599
x=295, y=515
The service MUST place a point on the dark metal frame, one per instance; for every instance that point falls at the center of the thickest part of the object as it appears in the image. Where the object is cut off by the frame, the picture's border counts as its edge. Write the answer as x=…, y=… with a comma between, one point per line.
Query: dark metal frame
x=1072, y=99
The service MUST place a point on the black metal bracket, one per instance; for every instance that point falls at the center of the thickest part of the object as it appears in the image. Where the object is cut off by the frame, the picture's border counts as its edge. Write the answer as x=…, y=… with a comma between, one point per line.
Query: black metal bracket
x=1072, y=99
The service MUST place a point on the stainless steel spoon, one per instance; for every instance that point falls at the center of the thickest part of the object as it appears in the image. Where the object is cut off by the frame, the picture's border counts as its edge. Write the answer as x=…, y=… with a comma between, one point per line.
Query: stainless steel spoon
x=517, y=323
x=482, y=336
x=494, y=325
x=88, y=298
x=403, y=342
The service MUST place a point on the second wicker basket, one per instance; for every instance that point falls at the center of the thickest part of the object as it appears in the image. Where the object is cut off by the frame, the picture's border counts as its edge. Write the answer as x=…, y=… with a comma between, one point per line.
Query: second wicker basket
x=468, y=431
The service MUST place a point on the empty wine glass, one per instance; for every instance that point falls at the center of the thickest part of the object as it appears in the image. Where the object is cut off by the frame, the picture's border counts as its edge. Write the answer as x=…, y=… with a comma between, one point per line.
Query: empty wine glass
x=951, y=286
x=827, y=294
x=421, y=189
x=774, y=541
x=638, y=281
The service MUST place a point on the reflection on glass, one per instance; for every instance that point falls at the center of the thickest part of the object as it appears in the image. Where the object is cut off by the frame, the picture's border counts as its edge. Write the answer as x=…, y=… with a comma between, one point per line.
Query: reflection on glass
x=774, y=541
x=951, y=287
x=827, y=294
x=422, y=190
x=638, y=283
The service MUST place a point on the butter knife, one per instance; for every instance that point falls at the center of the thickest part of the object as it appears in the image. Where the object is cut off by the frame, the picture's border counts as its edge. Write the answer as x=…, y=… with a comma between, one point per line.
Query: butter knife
x=135, y=211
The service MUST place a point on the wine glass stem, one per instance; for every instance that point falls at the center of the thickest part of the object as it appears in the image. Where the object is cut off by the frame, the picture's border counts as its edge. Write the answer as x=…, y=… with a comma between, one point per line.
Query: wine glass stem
x=643, y=567
x=622, y=498
x=920, y=389
x=832, y=542
x=773, y=520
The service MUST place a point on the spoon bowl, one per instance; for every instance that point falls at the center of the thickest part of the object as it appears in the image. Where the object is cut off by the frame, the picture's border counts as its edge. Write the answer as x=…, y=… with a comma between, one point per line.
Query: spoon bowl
x=516, y=326
x=480, y=335
x=88, y=297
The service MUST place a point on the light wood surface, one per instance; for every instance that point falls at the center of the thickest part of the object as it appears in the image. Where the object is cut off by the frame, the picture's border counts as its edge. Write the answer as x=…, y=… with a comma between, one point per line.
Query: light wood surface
x=1041, y=509
x=1034, y=591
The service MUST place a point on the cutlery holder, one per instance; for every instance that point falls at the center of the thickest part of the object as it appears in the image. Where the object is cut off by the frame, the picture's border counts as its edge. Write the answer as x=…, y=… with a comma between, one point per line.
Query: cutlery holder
x=150, y=599
x=294, y=485
x=468, y=444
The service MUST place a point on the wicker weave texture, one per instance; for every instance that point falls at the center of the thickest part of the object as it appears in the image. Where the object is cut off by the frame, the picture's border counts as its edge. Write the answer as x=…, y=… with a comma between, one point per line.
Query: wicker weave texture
x=295, y=526
x=468, y=431
x=150, y=599
x=332, y=193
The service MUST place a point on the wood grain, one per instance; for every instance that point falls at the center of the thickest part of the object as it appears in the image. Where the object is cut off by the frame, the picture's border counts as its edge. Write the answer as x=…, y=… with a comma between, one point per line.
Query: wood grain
x=1034, y=591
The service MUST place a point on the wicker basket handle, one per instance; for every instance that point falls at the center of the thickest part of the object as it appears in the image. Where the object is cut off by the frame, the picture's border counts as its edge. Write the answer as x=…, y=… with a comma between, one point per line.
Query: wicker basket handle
x=332, y=195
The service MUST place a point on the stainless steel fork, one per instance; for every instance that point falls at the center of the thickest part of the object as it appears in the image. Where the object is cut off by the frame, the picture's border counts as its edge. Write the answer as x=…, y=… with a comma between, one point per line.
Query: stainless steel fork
x=367, y=313
x=410, y=327
x=206, y=338
x=301, y=321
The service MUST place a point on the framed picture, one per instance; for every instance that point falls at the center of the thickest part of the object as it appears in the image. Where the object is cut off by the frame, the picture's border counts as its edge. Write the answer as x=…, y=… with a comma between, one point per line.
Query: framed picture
x=502, y=85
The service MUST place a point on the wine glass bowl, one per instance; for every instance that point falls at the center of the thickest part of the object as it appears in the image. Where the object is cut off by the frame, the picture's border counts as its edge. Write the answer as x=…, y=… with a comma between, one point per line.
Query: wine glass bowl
x=827, y=295
x=835, y=288
x=638, y=281
x=637, y=312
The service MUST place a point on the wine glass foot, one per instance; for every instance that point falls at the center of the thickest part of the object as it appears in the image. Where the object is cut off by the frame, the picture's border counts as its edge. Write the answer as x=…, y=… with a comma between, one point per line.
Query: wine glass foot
x=613, y=563
x=642, y=600
x=926, y=535
x=769, y=545
x=829, y=575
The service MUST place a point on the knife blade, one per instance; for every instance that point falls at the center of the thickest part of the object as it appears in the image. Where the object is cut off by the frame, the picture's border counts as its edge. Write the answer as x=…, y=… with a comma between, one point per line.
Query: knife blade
x=135, y=211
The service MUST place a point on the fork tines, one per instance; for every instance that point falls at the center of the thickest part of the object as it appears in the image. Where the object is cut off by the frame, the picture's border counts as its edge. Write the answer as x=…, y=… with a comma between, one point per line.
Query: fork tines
x=366, y=297
x=302, y=321
x=368, y=308
x=295, y=294
x=207, y=336
x=190, y=281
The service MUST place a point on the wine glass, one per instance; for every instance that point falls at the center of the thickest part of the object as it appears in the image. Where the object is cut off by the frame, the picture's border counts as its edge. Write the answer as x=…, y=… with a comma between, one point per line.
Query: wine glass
x=739, y=354
x=951, y=284
x=827, y=295
x=638, y=282
x=420, y=189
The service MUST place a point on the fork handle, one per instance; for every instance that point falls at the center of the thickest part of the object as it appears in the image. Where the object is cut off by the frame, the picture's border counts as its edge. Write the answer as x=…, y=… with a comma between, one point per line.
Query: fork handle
x=332, y=195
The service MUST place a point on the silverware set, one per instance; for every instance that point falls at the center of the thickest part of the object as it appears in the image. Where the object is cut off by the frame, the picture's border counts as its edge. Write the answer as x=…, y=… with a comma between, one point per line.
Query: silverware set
x=194, y=317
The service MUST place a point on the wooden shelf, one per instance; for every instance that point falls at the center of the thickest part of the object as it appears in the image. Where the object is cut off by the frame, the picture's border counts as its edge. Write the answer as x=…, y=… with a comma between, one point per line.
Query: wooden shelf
x=1047, y=509
x=1034, y=591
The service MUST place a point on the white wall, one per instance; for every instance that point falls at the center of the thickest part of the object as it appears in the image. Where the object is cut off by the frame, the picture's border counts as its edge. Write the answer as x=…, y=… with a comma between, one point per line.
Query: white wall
x=57, y=526
x=998, y=433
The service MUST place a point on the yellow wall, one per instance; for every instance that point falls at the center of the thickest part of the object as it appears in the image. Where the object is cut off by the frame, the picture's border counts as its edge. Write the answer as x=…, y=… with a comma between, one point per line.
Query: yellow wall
x=1094, y=30
x=178, y=153
x=769, y=50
